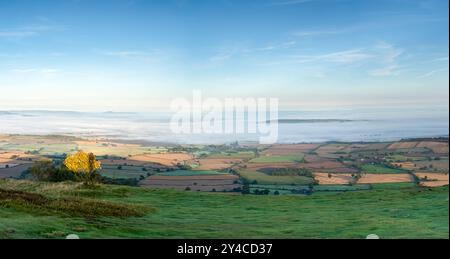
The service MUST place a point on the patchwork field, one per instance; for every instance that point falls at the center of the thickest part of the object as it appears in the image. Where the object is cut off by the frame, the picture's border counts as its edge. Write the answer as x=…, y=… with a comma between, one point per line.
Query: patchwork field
x=330, y=164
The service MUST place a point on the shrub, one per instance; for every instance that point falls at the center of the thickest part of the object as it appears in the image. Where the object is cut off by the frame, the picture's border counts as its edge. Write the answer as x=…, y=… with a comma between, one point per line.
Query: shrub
x=45, y=170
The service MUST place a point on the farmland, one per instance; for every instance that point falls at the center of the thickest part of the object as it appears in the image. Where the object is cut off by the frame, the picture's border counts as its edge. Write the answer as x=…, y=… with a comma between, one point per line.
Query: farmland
x=226, y=190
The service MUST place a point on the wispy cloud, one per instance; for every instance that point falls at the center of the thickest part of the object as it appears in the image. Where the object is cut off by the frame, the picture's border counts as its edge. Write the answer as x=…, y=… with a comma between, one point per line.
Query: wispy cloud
x=442, y=59
x=126, y=54
x=344, y=57
x=228, y=53
x=431, y=73
x=28, y=31
x=16, y=34
x=289, y=2
x=388, y=60
x=308, y=33
x=40, y=71
x=349, y=56
x=389, y=70
x=137, y=55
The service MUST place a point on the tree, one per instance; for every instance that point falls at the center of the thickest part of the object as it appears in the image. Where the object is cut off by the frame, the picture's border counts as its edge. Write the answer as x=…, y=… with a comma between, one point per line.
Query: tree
x=84, y=166
x=246, y=188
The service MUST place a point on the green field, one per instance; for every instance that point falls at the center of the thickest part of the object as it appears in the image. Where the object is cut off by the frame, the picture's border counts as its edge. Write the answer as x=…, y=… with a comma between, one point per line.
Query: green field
x=387, y=186
x=239, y=154
x=380, y=169
x=279, y=159
x=263, y=178
x=282, y=189
x=341, y=188
x=402, y=158
x=126, y=172
x=404, y=213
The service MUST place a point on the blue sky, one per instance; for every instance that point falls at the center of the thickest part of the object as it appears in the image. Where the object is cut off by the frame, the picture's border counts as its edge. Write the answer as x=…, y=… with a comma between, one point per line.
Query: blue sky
x=138, y=54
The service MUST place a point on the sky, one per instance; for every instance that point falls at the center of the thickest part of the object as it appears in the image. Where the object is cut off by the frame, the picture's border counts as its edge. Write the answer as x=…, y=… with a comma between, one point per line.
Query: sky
x=132, y=55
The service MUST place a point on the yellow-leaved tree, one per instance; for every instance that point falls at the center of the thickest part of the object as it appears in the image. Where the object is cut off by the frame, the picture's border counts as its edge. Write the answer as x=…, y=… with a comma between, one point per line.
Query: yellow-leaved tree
x=84, y=166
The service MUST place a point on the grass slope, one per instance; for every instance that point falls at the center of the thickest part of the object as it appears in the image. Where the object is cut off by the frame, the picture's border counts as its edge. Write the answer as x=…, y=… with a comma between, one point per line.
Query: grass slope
x=405, y=213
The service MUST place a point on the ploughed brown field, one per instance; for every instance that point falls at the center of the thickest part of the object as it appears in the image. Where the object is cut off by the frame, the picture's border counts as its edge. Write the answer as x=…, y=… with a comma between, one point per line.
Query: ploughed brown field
x=15, y=171
x=12, y=164
x=226, y=182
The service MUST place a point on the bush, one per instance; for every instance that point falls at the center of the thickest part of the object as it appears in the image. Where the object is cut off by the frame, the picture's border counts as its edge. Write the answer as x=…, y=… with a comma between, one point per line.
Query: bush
x=45, y=170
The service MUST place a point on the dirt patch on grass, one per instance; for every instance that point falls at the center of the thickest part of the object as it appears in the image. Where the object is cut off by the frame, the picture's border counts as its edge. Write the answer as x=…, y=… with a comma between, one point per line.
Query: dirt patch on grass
x=385, y=178
x=67, y=206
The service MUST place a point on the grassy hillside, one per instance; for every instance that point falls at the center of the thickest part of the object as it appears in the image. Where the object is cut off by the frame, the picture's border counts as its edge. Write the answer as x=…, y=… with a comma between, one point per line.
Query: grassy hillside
x=403, y=213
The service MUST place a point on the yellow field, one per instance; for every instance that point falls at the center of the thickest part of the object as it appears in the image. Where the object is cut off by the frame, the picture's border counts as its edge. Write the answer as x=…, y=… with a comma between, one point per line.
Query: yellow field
x=385, y=178
x=432, y=179
x=324, y=178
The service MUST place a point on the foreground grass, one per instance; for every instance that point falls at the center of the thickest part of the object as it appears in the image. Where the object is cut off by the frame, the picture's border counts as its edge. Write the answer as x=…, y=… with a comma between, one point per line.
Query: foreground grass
x=404, y=213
